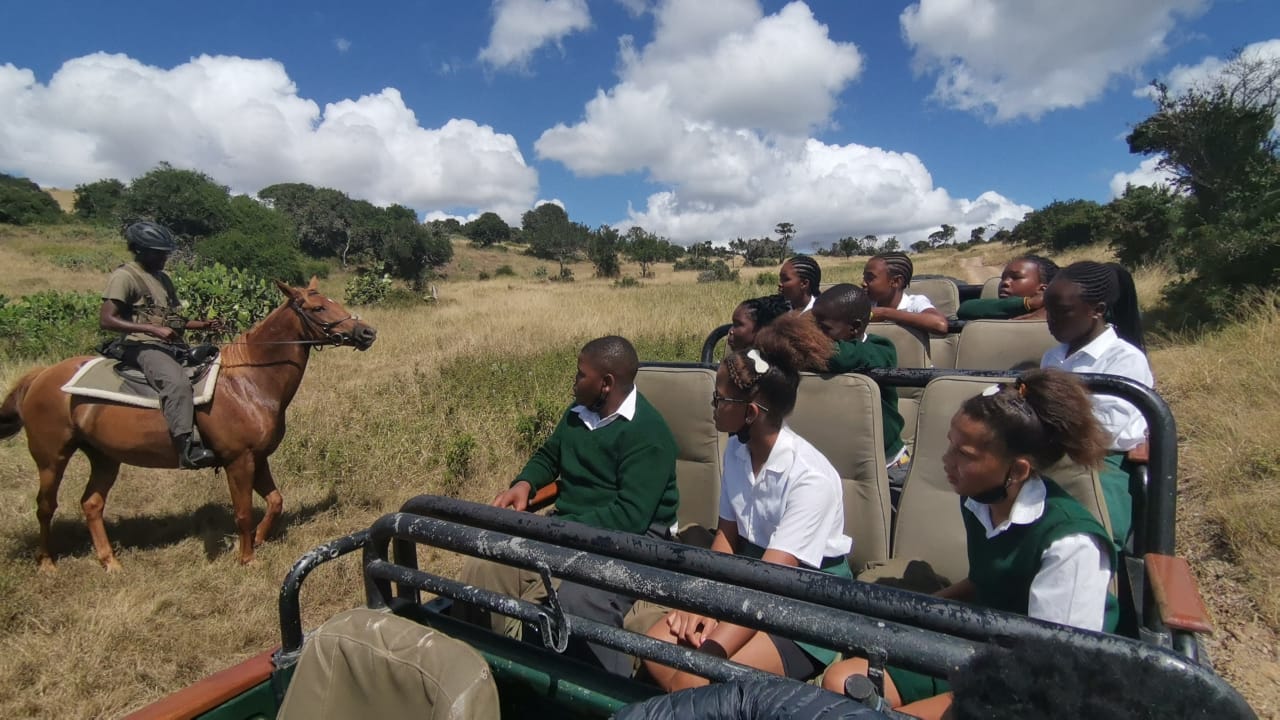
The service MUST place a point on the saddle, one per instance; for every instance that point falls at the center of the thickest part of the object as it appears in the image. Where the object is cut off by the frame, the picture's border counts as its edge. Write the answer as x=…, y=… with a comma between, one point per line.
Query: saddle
x=107, y=378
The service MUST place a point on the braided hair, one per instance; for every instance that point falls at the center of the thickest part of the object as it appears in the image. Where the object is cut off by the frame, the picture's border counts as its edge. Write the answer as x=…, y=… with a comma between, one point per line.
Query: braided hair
x=807, y=269
x=897, y=265
x=790, y=344
x=1109, y=283
x=1046, y=267
x=765, y=310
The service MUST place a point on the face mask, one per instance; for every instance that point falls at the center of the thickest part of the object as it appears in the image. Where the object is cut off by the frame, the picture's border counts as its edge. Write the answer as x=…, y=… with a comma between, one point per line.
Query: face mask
x=994, y=495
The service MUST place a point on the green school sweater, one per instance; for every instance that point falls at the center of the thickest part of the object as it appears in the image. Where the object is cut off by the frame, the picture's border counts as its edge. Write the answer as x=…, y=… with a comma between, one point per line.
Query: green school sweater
x=992, y=309
x=874, y=352
x=1003, y=567
x=618, y=477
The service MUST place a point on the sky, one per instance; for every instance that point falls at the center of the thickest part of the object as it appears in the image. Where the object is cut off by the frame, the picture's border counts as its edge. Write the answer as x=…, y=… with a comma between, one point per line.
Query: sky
x=696, y=119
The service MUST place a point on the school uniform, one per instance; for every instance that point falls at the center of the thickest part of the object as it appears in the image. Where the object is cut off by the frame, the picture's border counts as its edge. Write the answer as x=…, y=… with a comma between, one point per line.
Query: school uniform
x=915, y=303
x=1124, y=425
x=809, y=305
x=992, y=308
x=874, y=351
x=794, y=505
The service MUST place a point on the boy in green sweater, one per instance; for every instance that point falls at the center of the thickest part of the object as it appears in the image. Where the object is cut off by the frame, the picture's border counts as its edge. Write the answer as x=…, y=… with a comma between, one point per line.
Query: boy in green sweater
x=843, y=312
x=615, y=459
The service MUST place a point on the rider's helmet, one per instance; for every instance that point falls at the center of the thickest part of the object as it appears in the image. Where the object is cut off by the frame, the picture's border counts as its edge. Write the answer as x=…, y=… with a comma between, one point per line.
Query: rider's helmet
x=147, y=235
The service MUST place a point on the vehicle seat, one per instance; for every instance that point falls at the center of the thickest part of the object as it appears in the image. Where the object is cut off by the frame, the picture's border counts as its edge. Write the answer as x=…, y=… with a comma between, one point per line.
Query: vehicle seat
x=366, y=663
x=913, y=352
x=682, y=395
x=840, y=416
x=1014, y=345
x=942, y=350
x=942, y=292
x=991, y=288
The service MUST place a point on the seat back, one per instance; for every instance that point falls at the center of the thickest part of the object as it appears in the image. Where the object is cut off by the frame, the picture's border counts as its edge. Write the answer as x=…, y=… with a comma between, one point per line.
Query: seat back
x=912, y=347
x=366, y=663
x=840, y=416
x=942, y=292
x=682, y=395
x=929, y=525
x=1003, y=344
x=991, y=288
x=942, y=350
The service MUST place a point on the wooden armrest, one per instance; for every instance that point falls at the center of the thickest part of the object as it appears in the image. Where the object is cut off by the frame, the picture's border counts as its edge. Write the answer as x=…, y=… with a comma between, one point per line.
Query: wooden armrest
x=1177, y=594
x=1140, y=455
x=210, y=692
x=546, y=495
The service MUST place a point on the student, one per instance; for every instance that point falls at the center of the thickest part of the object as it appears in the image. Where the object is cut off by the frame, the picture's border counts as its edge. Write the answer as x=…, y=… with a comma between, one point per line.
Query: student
x=616, y=462
x=780, y=500
x=751, y=316
x=1092, y=310
x=798, y=282
x=841, y=313
x=1021, y=293
x=1033, y=549
x=886, y=278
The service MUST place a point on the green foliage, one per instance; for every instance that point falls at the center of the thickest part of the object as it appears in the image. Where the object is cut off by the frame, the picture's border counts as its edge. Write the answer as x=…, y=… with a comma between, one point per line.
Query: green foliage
x=1142, y=223
x=551, y=236
x=410, y=250
x=943, y=236
x=697, y=263
x=603, y=245
x=566, y=275
x=758, y=252
x=187, y=202
x=487, y=230
x=646, y=248
x=265, y=257
x=540, y=272
x=767, y=279
x=920, y=246
x=92, y=259
x=504, y=271
x=101, y=201
x=719, y=272
x=786, y=232
x=22, y=202
x=1062, y=225
x=627, y=281
x=49, y=325
x=238, y=297
x=533, y=429
x=318, y=268
x=367, y=288
x=459, y=457
x=321, y=217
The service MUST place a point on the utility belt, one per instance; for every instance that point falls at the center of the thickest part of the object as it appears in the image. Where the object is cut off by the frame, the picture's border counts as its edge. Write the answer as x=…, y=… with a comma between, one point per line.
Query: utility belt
x=126, y=351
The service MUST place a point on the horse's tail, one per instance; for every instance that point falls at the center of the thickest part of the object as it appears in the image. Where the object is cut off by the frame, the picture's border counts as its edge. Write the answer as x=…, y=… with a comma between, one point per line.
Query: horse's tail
x=10, y=418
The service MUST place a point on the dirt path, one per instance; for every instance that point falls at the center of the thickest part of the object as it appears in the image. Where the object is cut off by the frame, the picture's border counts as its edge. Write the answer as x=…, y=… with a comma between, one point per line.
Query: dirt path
x=973, y=270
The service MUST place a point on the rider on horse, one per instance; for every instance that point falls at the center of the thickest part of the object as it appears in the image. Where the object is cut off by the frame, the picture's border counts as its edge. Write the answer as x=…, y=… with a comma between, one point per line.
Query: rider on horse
x=140, y=303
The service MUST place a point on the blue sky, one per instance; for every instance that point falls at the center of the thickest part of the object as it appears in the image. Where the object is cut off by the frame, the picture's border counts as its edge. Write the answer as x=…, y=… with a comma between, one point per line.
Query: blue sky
x=698, y=119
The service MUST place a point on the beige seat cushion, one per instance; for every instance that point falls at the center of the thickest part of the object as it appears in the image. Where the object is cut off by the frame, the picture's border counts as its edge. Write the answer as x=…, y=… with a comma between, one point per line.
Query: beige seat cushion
x=912, y=347
x=929, y=524
x=991, y=288
x=1003, y=344
x=840, y=415
x=942, y=292
x=368, y=664
x=682, y=395
x=942, y=350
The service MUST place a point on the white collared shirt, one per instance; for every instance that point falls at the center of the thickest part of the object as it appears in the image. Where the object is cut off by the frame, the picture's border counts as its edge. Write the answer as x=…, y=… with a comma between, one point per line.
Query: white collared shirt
x=915, y=303
x=795, y=505
x=1071, y=585
x=1109, y=354
x=593, y=421
x=808, y=307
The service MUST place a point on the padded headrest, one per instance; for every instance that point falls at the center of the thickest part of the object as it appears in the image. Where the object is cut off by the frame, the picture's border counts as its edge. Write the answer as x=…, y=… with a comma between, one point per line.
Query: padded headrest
x=1015, y=345
x=682, y=395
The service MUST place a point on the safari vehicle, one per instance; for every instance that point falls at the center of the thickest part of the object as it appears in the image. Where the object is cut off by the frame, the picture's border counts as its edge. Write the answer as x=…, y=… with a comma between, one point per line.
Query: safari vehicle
x=1162, y=609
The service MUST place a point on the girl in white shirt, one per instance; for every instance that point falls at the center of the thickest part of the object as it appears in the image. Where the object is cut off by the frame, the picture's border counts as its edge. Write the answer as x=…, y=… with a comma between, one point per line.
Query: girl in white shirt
x=886, y=278
x=1092, y=309
x=798, y=282
x=780, y=499
x=1033, y=549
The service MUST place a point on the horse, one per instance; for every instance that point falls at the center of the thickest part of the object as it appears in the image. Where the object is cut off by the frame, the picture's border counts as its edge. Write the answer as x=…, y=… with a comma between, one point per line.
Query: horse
x=242, y=425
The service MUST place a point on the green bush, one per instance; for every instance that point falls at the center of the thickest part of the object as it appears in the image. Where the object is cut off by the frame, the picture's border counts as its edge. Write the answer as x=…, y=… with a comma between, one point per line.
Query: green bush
x=534, y=428
x=260, y=255
x=367, y=288
x=459, y=458
x=22, y=202
x=49, y=325
x=400, y=297
x=483, y=275
x=718, y=272
x=314, y=268
x=767, y=279
x=699, y=263
x=504, y=271
x=238, y=297
x=627, y=282
x=540, y=272
x=566, y=275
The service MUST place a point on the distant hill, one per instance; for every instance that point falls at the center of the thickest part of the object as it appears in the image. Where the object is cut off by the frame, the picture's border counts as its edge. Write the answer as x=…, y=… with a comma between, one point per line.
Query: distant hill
x=66, y=198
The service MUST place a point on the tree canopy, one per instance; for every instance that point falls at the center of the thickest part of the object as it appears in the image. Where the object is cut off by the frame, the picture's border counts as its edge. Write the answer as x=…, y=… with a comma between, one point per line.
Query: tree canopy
x=22, y=202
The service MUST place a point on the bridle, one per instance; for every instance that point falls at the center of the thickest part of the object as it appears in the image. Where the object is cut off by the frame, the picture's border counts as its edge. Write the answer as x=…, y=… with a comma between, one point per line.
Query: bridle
x=337, y=339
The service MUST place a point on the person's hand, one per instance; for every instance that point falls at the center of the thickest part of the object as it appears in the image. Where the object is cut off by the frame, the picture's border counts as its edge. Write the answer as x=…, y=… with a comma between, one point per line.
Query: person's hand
x=161, y=332
x=690, y=628
x=517, y=498
x=216, y=325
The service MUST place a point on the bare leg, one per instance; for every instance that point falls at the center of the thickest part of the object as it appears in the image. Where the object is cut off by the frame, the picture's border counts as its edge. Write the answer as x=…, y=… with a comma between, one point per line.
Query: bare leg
x=265, y=486
x=759, y=652
x=102, y=475
x=240, y=479
x=46, y=504
x=835, y=676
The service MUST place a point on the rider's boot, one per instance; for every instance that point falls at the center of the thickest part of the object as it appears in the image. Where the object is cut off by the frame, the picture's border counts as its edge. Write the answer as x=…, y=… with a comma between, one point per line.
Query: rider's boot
x=192, y=455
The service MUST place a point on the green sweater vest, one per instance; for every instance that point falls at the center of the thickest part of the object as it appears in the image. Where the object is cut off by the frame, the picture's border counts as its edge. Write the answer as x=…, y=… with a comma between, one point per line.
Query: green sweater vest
x=992, y=308
x=1002, y=568
x=874, y=352
x=618, y=477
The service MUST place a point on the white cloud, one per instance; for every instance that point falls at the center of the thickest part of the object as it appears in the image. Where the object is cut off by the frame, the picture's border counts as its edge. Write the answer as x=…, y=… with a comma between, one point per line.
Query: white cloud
x=1186, y=77
x=1022, y=58
x=1145, y=174
x=635, y=8
x=520, y=27
x=243, y=122
x=342, y=44
x=718, y=108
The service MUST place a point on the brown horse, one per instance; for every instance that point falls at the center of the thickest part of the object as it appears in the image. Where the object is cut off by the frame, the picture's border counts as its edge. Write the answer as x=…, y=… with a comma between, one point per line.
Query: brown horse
x=261, y=371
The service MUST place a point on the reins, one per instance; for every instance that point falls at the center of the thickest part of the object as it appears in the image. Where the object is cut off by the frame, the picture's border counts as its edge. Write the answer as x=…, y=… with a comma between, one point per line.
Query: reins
x=326, y=328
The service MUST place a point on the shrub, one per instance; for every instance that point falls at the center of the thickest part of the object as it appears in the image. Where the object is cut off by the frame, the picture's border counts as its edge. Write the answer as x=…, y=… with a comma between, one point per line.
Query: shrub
x=483, y=275
x=314, y=268
x=627, y=282
x=699, y=263
x=367, y=288
x=459, y=457
x=540, y=272
x=238, y=297
x=566, y=275
x=504, y=271
x=22, y=202
x=767, y=279
x=49, y=324
x=534, y=428
x=718, y=272
x=259, y=255
x=399, y=297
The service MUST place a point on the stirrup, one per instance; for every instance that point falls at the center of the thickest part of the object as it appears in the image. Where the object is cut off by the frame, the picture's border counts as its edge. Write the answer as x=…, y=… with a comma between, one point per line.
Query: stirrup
x=194, y=456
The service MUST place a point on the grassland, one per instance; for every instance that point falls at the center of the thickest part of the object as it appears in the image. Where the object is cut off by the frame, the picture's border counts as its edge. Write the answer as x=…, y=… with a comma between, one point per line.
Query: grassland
x=369, y=430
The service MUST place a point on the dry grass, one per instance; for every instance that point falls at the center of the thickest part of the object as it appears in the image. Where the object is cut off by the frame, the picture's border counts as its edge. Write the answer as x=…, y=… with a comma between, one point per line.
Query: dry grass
x=369, y=430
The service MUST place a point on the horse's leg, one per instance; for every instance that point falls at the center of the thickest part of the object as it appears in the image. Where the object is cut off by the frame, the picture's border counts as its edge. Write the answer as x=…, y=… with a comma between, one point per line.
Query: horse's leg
x=102, y=475
x=46, y=503
x=265, y=485
x=241, y=474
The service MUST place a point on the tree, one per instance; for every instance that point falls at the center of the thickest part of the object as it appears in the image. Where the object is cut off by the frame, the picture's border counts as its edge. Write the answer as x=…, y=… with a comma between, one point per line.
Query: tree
x=1003, y=235
x=410, y=249
x=487, y=229
x=869, y=244
x=785, y=232
x=1061, y=225
x=602, y=250
x=920, y=246
x=22, y=202
x=942, y=236
x=1143, y=223
x=551, y=236
x=847, y=246
x=321, y=217
x=187, y=202
x=100, y=201
x=976, y=235
x=758, y=252
x=266, y=257
x=890, y=245
x=643, y=247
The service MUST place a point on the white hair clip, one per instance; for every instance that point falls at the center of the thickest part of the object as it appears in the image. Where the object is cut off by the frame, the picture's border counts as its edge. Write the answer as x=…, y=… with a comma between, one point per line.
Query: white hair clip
x=761, y=365
x=993, y=390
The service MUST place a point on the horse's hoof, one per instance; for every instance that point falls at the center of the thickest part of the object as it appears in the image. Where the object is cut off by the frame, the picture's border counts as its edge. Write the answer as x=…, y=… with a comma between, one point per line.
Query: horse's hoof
x=113, y=566
x=46, y=565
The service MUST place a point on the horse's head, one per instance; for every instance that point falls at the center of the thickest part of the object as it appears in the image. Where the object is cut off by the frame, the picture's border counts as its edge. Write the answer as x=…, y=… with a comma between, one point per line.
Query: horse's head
x=325, y=319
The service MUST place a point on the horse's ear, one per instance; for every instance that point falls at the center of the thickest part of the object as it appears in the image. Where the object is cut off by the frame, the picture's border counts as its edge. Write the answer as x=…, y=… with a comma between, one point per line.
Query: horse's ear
x=314, y=285
x=287, y=289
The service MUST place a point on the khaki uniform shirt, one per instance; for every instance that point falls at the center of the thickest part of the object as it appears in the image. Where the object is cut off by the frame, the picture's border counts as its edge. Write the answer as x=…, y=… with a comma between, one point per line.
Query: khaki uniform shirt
x=147, y=298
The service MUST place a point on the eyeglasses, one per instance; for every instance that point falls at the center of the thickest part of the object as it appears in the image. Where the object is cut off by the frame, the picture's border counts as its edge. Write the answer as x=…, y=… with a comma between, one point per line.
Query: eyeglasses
x=717, y=398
